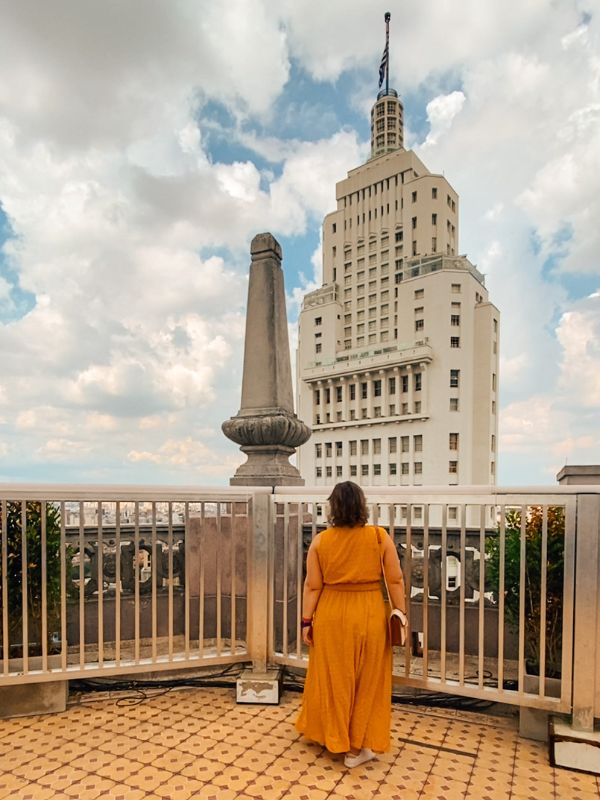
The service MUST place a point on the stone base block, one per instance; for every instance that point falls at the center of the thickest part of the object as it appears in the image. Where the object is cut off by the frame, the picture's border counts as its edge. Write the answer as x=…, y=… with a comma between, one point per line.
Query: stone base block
x=259, y=688
x=533, y=723
x=571, y=749
x=30, y=699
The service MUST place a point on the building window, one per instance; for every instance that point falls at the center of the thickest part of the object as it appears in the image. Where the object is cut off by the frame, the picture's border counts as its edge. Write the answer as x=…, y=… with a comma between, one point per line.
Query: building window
x=418, y=380
x=317, y=397
x=453, y=441
x=377, y=411
x=338, y=472
x=364, y=469
x=399, y=236
x=434, y=219
x=419, y=324
x=318, y=320
x=377, y=388
x=319, y=472
x=404, y=468
x=338, y=449
x=352, y=445
x=393, y=469
x=454, y=404
x=376, y=469
x=353, y=470
x=364, y=447
x=417, y=512
x=453, y=467
x=418, y=468
x=328, y=472
x=454, y=378
x=376, y=447
x=495, y=326
x=352, y=391
x=404, y=408
x=318, y=347
x=453, y=512
x=434, y=245
x=434, y=192
x=493, y=406
x=404, y=444
x=419, y=293
x=455, y=288
x=317, y=419
x=455, y=341
x=418, y=443
x=414, y=250
x=392, y=385
x=392, y=444
x=414, y=197
x=419, y=309
x=418, y=407
x=352, y=414
x=328, y=449
x=493, y=381
x=414, y=223
x=318, y=451
x=363, y=391
x=404, y=379
x=455, y=319
x=333, y=228
x=492, y=468
x=392, y=410
x=338, y=394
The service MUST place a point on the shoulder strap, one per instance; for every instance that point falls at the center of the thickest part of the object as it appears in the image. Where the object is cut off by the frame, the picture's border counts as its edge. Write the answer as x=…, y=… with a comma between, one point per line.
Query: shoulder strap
x=387, y=591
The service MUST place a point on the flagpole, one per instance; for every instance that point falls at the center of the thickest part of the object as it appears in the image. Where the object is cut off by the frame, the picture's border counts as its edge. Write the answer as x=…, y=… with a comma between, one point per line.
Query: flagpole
x=387, y=18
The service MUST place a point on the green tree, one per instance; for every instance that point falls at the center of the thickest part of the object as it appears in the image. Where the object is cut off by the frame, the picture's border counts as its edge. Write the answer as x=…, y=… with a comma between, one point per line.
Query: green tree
x=533, y=580
x=33, y=533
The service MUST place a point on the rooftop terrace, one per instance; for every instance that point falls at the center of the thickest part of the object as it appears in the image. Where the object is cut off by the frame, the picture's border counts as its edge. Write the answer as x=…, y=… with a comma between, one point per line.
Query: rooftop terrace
x=197, y=743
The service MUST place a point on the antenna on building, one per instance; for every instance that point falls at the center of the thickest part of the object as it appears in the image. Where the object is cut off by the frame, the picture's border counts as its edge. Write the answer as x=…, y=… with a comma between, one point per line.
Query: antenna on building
x=384, y=67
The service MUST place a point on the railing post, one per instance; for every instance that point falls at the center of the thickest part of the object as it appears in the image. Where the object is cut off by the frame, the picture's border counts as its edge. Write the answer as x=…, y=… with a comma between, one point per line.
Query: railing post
x=258, y=596
x=586, y=646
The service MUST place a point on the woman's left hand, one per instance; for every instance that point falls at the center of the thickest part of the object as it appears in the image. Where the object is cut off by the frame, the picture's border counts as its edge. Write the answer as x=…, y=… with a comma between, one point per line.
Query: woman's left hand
x=307, y=635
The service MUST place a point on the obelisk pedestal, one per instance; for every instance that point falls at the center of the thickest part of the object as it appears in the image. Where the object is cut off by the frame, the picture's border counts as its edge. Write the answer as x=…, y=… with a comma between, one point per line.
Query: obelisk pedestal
x=266, y=426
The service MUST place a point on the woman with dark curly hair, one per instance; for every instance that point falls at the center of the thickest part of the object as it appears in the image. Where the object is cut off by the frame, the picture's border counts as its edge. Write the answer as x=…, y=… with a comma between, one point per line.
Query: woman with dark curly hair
x=347, y=695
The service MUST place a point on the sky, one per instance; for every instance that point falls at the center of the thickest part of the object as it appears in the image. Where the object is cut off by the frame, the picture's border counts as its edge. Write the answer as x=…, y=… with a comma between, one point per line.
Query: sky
x=143, y=145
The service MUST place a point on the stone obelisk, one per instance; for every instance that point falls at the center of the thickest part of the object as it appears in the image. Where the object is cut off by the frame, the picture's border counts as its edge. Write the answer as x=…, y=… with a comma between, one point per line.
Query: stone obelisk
x=265, y=426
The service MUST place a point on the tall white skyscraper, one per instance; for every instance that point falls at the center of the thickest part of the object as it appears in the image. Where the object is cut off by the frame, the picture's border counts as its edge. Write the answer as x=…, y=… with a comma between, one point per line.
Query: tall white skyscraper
x=398, y=350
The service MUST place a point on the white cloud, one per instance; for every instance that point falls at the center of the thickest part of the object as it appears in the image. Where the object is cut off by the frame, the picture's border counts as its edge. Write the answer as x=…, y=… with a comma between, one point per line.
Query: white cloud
x=440, y=114
x=134, y=343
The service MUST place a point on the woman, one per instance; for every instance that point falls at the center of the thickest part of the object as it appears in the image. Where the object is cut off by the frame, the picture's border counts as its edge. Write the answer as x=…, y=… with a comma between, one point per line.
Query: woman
x=347, y=696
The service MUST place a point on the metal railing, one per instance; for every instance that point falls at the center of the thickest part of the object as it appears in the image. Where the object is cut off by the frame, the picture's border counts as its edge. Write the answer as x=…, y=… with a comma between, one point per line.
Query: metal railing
x=491, y=577
x=100, y=580
x=118, y=580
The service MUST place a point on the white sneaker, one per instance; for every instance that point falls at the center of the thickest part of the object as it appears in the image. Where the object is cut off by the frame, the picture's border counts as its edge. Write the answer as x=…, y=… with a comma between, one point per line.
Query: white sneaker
x=365, y=755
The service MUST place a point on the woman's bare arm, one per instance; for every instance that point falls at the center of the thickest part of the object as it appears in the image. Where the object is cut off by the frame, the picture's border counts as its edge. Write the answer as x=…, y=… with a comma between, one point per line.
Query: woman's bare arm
x=313, y=585
x=393, y=574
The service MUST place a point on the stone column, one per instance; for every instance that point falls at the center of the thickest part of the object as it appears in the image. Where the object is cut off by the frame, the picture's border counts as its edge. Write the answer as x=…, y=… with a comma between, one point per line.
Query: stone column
x=266, y=426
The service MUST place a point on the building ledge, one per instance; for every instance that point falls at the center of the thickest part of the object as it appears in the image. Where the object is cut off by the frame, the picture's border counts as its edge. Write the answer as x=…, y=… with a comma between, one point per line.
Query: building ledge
x=358, y=361
x=354, y=423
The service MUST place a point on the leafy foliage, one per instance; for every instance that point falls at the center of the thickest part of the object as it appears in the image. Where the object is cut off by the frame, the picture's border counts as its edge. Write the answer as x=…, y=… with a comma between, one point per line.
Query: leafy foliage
x=533, y=580
x=33, y=536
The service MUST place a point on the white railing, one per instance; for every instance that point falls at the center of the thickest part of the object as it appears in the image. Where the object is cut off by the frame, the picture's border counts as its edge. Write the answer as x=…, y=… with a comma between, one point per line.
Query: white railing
x=121, y=580
x=481, y=570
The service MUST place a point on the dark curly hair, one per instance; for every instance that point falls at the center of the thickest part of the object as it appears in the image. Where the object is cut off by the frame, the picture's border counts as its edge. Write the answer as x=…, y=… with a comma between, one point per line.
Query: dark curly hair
x=347, y=505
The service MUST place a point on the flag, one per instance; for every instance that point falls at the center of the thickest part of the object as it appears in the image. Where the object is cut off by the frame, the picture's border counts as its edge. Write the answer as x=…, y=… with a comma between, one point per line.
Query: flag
x=383, y=65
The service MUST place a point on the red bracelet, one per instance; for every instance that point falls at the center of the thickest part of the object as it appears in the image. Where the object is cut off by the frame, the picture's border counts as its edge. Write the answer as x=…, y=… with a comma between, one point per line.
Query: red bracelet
x=306, y=623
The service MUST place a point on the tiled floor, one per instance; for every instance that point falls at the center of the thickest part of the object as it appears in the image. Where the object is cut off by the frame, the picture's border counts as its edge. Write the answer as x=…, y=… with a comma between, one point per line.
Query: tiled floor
x=197, y=743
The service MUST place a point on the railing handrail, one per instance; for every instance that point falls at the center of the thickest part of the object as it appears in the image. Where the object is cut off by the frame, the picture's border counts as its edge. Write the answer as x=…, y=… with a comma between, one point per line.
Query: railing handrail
x=127, y=493
x=446, y=490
